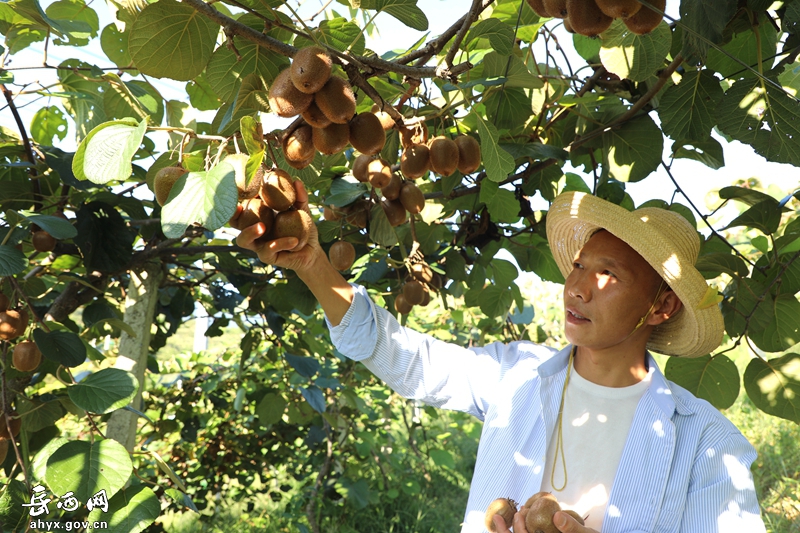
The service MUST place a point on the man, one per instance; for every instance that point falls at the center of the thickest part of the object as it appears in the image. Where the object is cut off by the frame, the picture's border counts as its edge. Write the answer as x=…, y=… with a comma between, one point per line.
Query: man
x=596, y=423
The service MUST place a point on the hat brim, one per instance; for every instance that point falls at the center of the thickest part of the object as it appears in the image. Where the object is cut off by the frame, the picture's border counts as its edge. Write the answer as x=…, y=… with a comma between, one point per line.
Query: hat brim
x=574, y=217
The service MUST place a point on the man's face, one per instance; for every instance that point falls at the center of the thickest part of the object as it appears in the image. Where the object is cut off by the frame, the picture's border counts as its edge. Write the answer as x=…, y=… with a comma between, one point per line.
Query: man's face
x=609, y=289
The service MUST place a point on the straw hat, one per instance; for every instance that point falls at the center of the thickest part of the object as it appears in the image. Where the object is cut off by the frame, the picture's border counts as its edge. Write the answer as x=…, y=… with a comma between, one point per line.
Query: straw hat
x=664, y=239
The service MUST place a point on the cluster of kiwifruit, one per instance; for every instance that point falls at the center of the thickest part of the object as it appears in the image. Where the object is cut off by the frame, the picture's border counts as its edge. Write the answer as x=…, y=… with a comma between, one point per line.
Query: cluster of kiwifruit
x=327, y=104
x=416, y=290
x=269, y=198
x=440, y=154
x=593, y=17
x=13, y=323
x=541, y=507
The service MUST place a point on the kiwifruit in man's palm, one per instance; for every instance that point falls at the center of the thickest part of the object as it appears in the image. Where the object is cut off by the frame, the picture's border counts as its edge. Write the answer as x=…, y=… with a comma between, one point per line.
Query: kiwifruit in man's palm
x=277, y=190
x=295, y=223
x=254, y=210
x=503, y=507
x=540, y=516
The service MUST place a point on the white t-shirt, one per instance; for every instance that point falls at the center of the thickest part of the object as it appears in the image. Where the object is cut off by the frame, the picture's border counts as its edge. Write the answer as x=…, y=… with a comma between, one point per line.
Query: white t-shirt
x=595, y=427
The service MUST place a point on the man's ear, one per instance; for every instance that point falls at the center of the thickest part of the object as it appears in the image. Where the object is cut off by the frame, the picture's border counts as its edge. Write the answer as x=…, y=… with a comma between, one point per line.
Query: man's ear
x=669, y=305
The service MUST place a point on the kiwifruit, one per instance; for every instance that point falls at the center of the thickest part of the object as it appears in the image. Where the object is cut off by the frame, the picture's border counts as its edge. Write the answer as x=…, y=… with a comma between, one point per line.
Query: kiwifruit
x=3, y=450
x=13, y=422
x=298, y=145
x=285, y=99
x=413, y=291
x=395, y=212
x=568, y=26
x=379, y=173
x=443, y=155
x=4, y=302
x=164, y=180
x=586, y=18
x=331, y=139
x=540, y=516
x=303, y=163
x=295, y=223
x=412, y=198
x=437, y=282
x=578, y=518
x=505, y=507
x=336, y=100
x=277, y=190
x=422, y=272
x=366, y=133
x=469, y=154
x=360, y=165
x=426, y=298
x=619, y=9
x=538, y=8
x=646, y=20
x=331, y=213
x=401, y=305
x=415, y=161
x=386, y=119
x=315, y=117
x=392, y=190
x=547, y=495
x=43, y=241
x=358, y=213
x=416, y=133
x=254, y=210
x=556, y=8
x=310, y=69
x=26, y=356
x=246, y=190
x=342, y=254
x=12, y=324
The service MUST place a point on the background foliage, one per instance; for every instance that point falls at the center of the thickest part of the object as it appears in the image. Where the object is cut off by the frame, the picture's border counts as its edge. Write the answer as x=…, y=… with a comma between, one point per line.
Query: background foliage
x=281, y=424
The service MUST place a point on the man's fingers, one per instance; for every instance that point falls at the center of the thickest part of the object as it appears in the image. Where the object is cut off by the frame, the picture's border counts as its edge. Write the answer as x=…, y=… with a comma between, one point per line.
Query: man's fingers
x=248, y=235
x=566, y=524
x=301, y=201
x=499, y=524
x=519, y=521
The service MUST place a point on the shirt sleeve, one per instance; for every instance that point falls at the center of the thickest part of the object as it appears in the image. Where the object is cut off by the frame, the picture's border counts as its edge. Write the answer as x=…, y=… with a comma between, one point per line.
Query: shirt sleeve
x=419, y=366
x=722, y=496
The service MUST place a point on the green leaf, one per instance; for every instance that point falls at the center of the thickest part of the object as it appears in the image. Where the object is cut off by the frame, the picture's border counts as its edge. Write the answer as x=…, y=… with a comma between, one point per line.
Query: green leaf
x=512, y=69
x=254, y=143
x=169, y=39
x=495, y=301
x=634, y=150
x=104, y=239
x=508, y=108
x=357, y=493
x=202, y=95
x=587, y=47
x=498, y=163
x=768, y=120
x=86, y=468
x=747, y=196
x=270, y=409
x=55, y=226
x=48, y=123
x=713, y=379
x=225, y=70
x=535, y=150
x=744, y=51
x=85, y=102
x=205, y=198
x=115, y=45
x=765, y=216
x=713, y=264
x=687, y=110
x=501, y=203
x=106, y=153
x=380, y=229
x=774, y=385
x=703, y=23
x=406, y=11
x=708, y=152
x=104, y=391
x=63, y=347
x=500, y=35
x=305, y=366
x=314, y=397
x=136, y=99
x=13, y=515
x=12, y=261
x=38, y=414
x=442, y=458
x=252, y=94
x=631, y=56
x=338, y=33
x=131, y=510
x=78, y=20
x=503, y=272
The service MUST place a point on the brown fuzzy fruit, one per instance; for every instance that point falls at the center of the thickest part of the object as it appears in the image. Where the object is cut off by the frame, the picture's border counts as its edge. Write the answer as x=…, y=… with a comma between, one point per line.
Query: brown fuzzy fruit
x=315, y=117
x=401, y=305
x=414, y=292
x=293, y=224
x=366, y=133
x=4, y=302
x=331, y=139
x=469, y=154
x=163, y=182
x=13, y=422
x=412, y=198
x=547, y=495
x=310, y=69
x=358, y=213
x=556, y=8
x=285, y=99
x=298, y=145
x=505, y=507
x=331, y=213
x=619, y=9
x=422, y=272
x=342, y=255
x=360, y=165
x=646, y=20
x=568, y=26
x=538, y=8
x=3, y=450
x=416, y=133
x=253, y=211
x=379, y=173
x=395, y=212
x=26, y=356
x=540, y=516
x=43, y=241
x=586, y=18
x=443, y=155
x=12, y=324
x=336, y=100
x=576, y=516
x=277, y=190
x=247, y=190
x=426, y=298
x=415, y=161
x=392, y=191
x=386, y=119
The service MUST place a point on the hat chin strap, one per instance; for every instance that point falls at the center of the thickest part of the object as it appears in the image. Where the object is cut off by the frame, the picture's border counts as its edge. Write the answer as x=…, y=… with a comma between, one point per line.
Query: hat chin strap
x=661, y=289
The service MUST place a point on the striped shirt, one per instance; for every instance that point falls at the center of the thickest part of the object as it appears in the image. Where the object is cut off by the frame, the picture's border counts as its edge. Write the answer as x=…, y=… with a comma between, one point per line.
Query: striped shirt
x=685, y=468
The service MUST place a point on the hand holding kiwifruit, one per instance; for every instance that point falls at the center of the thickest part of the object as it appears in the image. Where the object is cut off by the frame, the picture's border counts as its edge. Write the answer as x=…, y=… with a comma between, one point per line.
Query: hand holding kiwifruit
x=278, y=251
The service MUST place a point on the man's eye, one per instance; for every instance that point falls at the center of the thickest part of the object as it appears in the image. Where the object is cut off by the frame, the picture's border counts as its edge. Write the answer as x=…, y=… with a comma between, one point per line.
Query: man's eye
x=609, y=273
x=576, y=265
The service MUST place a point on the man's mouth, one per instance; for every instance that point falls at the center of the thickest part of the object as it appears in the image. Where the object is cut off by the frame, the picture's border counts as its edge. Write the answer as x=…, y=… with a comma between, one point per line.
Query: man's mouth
x=576, y=315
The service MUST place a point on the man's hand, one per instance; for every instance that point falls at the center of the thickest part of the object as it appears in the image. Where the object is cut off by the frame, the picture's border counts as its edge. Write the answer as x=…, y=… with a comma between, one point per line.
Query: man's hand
x=276, y=252
x=564, y=522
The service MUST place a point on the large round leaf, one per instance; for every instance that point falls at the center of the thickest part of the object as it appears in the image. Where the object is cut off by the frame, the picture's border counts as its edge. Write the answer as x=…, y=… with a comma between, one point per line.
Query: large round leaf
x=104, y=391
x=63, y=347
x=636, y=57
x=86, y=468
x=131, y=510
x=715, y=379
x=172, y=40
x=774, y=385
x=11, y=260
x=106, y=153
